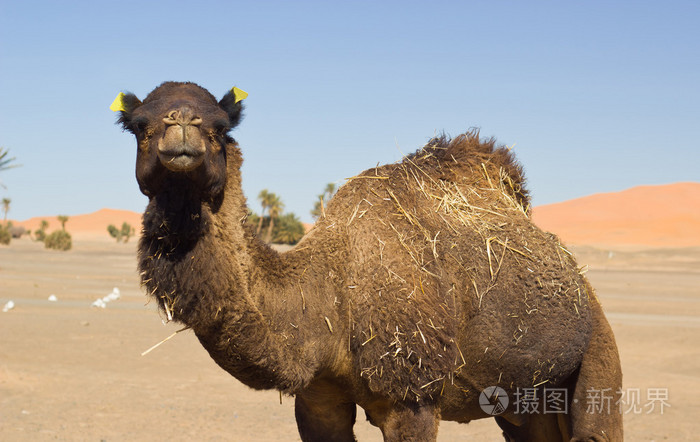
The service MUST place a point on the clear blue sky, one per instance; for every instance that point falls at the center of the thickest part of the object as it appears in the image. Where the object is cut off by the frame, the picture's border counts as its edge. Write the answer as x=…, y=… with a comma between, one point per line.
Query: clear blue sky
x=596, y=96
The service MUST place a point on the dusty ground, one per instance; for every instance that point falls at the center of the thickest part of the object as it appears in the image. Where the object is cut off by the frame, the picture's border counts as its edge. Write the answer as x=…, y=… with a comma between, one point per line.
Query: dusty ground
x=72, y=372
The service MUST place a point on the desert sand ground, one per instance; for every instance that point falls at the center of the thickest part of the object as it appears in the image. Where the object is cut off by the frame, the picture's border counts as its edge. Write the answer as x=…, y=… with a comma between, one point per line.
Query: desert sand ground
x=72, y=372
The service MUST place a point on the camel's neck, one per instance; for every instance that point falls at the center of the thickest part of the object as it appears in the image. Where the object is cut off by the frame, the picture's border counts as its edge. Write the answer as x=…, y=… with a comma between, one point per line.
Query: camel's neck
x=190, y=254
x=207, y=271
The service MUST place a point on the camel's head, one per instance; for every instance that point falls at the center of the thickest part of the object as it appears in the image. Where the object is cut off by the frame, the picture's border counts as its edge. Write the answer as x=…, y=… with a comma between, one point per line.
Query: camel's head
x=181, y=131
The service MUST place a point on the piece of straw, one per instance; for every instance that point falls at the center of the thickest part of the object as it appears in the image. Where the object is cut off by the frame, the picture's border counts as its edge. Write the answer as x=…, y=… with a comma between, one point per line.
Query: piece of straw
x=161, y=342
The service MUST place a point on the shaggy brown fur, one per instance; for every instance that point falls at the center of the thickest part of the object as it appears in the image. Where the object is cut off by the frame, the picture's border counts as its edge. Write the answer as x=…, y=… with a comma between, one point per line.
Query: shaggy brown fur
x=424, y=283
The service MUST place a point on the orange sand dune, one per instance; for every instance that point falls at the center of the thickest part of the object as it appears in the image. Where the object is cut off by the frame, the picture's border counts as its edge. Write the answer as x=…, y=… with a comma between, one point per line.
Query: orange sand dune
x=89, y=225
x=658, y=216
x=655, y=216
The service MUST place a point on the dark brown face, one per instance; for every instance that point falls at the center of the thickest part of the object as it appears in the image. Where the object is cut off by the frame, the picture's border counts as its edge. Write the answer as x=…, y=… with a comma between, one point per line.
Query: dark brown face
x=181, y=132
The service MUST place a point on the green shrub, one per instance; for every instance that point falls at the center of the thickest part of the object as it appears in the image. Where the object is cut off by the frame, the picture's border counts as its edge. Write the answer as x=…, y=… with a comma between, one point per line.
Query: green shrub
x=123, y=234
x=59, y=240
x=114, y=232
x=39, y=235
x=5, y=235
x=288, y=230
x=127, y=231
x=253, y=220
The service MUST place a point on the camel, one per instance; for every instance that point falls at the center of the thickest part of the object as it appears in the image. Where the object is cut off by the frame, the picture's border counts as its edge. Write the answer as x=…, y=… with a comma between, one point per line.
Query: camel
x=423, y=288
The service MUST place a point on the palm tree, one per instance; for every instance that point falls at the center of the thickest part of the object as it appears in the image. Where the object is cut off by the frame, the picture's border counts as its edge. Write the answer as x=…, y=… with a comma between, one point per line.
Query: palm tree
x=63, y=219
x=6, y=208
x=323, y=200
x=274, y=210
x=264, y=197
x=330, y=189
x=5, y=163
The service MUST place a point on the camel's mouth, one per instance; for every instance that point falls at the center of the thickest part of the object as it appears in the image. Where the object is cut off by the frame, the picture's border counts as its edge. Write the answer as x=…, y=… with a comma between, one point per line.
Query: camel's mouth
x=181, y=158
x=182, y=148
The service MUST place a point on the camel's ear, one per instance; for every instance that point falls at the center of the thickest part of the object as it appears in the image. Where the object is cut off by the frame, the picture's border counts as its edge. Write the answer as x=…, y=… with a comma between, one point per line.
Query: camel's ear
x=125, y=105
x=231, y=103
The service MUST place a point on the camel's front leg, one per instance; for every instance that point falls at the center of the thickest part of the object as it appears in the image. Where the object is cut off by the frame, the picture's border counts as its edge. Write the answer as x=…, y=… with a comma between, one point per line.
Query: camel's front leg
x=403, y=423
x=600, y=376
x=324, y=418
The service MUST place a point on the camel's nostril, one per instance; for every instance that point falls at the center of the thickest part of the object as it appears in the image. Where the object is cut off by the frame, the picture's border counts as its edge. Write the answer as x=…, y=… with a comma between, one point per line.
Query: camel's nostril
x=172, y=118
x=182, y=117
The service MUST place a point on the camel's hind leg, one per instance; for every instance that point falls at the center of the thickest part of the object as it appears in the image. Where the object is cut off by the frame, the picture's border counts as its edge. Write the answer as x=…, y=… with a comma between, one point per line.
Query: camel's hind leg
x=594, y=414
x=324, y=418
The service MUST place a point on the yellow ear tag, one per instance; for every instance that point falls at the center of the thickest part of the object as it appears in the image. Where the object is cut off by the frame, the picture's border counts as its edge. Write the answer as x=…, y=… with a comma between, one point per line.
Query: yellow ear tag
x=118, y=103
x=240, y=94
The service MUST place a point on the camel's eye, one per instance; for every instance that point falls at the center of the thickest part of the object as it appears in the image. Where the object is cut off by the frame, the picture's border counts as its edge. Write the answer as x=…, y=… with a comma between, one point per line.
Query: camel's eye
x=221, y=127
x=139, y=124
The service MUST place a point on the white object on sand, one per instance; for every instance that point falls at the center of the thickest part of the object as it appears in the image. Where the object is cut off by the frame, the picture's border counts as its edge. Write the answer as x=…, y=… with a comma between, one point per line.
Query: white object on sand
x=116, y=294
x=102, y=302
x=9, y=306
x=99, y=303
x=53, y=298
